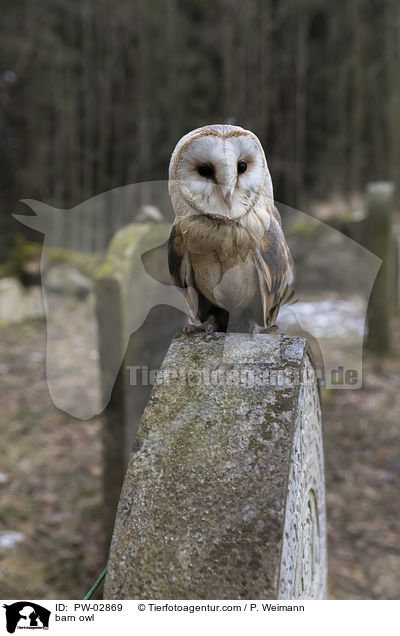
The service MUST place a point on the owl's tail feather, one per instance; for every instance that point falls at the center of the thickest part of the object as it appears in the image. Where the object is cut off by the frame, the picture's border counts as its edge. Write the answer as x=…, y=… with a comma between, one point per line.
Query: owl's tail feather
x=288, y=297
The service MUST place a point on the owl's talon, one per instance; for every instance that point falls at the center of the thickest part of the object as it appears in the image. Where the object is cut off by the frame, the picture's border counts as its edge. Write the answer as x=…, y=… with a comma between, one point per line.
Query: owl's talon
x=208, y=327
x=189, y=329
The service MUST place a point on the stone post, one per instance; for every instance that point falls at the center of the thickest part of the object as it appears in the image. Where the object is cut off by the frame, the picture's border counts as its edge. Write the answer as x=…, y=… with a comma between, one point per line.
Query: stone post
x=224, y=496
x=379, y=239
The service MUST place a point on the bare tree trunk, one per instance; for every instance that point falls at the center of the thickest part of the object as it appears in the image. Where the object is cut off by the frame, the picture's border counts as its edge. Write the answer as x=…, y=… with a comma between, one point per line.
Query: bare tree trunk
x=301, y=102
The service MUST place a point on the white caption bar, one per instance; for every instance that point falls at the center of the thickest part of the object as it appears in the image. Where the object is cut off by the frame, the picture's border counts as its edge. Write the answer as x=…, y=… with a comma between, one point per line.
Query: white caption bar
x=194, y=617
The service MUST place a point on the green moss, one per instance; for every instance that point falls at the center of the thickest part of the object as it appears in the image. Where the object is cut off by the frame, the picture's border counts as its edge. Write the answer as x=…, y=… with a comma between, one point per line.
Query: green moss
x=86, y=262
x=118, y=262
x=106, y=270
x=5, y=270
x=22, y=252
x=304, y=229
x=347, y=217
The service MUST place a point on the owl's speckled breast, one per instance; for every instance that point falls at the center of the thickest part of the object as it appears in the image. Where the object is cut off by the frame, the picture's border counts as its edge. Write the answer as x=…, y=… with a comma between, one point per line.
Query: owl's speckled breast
x=222, y=259
x=231, y=284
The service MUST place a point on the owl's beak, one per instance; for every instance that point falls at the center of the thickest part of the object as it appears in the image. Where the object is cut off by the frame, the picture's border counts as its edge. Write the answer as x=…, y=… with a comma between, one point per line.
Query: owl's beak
x=228, y=197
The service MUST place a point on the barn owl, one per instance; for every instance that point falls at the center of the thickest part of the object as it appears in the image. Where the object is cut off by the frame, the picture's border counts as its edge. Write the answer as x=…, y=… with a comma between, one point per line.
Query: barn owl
x=227, y=250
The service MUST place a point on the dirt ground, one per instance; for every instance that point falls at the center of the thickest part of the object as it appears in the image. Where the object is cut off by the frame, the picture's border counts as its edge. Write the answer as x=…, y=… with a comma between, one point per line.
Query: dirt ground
x=52, y=472
x=50, y=468
x=362, y=457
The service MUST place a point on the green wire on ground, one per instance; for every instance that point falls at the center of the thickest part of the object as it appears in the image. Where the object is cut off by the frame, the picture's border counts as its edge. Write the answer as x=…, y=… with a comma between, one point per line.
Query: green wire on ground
x=95, y=585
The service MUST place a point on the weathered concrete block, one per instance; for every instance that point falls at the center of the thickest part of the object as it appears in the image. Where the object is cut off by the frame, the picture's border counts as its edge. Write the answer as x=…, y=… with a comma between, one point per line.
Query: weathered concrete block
x=224, y=495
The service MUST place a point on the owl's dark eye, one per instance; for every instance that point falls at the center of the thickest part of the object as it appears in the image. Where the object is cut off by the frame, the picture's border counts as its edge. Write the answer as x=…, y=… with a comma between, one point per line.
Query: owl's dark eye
x=205, y=170
x=241, y=167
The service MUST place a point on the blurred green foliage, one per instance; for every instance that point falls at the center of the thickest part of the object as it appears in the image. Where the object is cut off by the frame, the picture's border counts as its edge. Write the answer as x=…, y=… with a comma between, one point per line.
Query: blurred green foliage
x=24, y=253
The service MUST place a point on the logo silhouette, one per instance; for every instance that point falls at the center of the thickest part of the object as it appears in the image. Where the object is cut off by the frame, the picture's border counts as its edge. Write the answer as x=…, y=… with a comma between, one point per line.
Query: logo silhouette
x=334, y=279
x=26, y=615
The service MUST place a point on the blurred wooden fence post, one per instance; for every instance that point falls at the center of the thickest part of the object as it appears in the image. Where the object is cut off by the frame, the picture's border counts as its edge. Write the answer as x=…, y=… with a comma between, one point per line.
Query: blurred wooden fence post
x=379, y=239
x=118, y=288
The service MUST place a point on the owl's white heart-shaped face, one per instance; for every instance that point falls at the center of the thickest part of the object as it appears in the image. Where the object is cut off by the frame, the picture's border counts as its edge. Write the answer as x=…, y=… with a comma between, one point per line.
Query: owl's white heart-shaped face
x=219, y=171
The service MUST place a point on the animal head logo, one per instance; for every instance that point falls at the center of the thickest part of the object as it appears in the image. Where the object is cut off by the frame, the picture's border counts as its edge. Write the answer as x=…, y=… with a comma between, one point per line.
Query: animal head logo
x=334, y=278
x=26, y=615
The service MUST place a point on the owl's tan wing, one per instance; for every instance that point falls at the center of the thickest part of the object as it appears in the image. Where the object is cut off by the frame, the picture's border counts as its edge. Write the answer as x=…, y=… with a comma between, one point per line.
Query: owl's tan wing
x=275, y=269
x=181, y=272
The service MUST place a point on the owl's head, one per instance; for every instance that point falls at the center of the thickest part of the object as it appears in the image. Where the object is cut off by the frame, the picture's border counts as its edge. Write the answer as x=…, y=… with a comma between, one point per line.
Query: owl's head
x=219, y=171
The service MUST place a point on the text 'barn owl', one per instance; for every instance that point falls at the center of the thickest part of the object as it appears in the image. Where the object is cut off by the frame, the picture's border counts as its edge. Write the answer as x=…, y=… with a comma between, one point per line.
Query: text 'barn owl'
x=227, y=250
